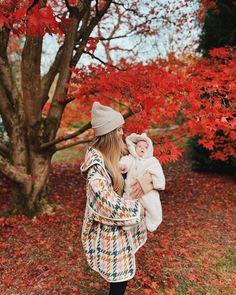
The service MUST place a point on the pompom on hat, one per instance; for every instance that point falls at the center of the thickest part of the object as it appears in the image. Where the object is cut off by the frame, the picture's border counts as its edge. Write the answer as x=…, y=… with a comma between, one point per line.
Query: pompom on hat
x=104, y=119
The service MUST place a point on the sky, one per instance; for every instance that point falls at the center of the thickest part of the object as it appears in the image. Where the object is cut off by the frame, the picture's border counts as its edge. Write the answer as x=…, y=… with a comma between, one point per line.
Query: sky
x=149, y=47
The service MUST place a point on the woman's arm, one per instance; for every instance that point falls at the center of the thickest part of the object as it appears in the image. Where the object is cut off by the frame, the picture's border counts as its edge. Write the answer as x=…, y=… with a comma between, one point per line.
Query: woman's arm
x=153, y=178
x=107, y=206
x=142, y=185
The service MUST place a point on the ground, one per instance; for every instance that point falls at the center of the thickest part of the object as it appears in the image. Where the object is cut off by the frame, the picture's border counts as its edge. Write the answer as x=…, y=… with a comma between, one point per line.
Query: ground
x=192, y=252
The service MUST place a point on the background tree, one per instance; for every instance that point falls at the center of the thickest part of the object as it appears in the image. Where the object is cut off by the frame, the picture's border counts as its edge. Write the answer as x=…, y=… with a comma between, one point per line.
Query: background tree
x=219, y=28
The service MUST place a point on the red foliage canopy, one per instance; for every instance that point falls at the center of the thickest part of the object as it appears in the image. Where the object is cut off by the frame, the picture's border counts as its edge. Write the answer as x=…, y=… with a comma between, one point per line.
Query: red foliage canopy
x=179, y=99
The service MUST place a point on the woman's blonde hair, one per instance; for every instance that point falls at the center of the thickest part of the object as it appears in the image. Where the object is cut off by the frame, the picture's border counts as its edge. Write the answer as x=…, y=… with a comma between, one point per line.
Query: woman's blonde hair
x=111, y=147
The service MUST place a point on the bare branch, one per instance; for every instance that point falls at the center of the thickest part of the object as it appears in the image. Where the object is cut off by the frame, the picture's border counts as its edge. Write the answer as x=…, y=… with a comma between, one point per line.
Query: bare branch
x=83, y=39
x=126, y=8
x=115, y=37
x=96, y=5
x=101, y=61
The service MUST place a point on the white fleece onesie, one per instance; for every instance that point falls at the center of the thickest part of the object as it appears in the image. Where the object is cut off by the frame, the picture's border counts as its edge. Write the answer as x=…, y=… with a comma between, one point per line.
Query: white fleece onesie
x=137, y=166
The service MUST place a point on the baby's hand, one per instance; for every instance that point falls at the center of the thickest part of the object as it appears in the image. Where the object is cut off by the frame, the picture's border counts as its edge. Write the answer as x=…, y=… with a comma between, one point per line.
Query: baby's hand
x=123, y=168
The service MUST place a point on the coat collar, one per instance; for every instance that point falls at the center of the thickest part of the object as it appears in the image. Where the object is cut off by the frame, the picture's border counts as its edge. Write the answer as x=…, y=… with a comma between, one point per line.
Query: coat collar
x=92, y=157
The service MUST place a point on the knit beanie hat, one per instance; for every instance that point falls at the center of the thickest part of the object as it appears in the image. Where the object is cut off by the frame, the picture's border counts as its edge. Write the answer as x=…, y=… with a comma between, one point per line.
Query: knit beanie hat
x=104, y=119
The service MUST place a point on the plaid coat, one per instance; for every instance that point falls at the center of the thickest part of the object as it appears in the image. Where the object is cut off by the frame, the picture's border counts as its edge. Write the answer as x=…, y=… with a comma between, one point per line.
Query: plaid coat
x=110, y=250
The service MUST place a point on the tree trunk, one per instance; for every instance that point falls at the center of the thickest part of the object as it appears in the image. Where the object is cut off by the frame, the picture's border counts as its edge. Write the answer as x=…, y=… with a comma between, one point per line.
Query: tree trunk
x=32, y=198
x=25, y=162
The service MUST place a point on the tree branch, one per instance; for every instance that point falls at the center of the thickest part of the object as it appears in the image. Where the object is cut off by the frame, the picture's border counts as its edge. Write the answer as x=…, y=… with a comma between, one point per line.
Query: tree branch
x=12, y=172
x=56, y=109
x=73, y=144
x=76, y=11
x=48, y=78
x=80, y=131
x=6, y=79
x=101, y=61
x=4, y=39
x=128, y=114
x=6, y=110
x=82, y=40
x=31, y=81
x=115, y=37
x=9, y=89
x=66, y=137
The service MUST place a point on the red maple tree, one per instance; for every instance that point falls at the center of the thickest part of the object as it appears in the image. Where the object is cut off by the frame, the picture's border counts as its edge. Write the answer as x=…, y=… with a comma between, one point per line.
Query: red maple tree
x=172, y=100
x=33, y=133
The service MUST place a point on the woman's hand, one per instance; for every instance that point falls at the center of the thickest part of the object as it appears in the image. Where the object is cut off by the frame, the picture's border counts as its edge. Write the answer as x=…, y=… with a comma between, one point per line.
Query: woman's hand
x=136, y=190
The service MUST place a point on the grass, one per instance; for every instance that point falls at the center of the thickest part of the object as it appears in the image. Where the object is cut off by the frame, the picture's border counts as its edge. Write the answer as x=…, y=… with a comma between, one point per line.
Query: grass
x=70, y=155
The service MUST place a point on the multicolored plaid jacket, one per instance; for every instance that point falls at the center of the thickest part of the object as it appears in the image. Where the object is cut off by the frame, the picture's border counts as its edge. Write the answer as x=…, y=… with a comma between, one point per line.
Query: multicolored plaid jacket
x=110, y=250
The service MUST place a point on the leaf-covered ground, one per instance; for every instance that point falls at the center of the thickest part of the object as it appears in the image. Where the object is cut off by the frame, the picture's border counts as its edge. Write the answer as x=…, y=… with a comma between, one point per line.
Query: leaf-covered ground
x=193, y=251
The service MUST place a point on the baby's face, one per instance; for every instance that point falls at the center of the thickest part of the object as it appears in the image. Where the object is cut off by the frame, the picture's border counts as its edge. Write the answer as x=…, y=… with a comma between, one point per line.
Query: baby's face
x=141, y=148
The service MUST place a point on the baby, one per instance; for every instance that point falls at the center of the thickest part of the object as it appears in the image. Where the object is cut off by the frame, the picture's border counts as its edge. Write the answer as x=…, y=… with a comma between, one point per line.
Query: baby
x=139, y=161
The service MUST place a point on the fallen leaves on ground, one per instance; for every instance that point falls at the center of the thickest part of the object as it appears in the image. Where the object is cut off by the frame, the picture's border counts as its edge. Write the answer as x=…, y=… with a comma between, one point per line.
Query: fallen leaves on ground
x=192, y=252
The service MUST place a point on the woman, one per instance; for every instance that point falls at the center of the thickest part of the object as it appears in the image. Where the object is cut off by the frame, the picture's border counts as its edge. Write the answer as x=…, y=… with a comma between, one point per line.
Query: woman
x=109, y=249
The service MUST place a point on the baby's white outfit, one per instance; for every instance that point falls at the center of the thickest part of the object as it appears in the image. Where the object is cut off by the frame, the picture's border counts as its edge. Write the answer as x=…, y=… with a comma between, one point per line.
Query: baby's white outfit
x=137, y=166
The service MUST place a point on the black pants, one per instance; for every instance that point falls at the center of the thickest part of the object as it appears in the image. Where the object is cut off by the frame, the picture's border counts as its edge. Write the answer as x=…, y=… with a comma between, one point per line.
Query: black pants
x=118, y=288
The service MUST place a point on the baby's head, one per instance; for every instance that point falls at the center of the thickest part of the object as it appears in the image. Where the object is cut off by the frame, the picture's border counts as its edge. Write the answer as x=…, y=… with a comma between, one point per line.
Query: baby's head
x=141, y=147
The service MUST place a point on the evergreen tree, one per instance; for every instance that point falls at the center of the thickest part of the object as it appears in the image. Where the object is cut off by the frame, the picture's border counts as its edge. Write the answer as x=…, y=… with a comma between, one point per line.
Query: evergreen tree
x=219, y=27
x=219, y=30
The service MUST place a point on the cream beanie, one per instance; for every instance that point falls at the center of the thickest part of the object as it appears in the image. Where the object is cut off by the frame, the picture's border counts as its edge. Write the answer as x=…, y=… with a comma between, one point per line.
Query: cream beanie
x=104, y=119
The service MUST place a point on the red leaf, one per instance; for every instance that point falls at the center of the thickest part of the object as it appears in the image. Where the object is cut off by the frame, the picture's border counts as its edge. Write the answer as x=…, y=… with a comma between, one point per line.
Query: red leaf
x=170, y=292
x=7, y=280
x=20, y=13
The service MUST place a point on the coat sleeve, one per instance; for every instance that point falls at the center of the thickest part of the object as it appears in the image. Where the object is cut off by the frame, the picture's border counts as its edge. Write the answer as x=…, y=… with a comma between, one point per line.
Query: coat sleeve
x=158, y=177
x=106, y=205
x=127, y=161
